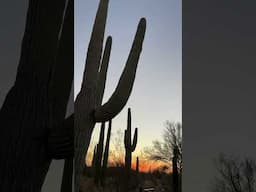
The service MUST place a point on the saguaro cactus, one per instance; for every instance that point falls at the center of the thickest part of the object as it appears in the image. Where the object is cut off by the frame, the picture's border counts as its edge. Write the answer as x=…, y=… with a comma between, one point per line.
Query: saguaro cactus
x=129, y=145
x=32, y=132
x=137, y=165
x=129, y=148
x=88, y=104
x=100, y=160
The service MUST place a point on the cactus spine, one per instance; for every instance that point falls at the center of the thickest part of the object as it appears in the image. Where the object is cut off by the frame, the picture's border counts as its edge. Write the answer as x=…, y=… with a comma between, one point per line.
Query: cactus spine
x=88, y=105
x=129, y=148
x=100, y=159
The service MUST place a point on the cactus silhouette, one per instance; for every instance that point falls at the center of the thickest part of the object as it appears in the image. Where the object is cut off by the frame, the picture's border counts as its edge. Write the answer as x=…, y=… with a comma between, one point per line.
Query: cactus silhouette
x=137, y=165
x=106, y=153
x=88, y=104
x=100, y=156
x=99, y=153
x=34, y=130
x=129, y=148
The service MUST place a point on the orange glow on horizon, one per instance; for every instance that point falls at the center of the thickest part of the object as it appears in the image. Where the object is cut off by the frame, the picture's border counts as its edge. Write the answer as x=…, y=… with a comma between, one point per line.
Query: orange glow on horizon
x=147, y=166
x=144, y=165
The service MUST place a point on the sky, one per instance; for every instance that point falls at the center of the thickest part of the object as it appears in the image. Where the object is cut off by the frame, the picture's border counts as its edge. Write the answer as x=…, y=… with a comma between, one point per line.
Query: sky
x=218, y=68
x=156, y=95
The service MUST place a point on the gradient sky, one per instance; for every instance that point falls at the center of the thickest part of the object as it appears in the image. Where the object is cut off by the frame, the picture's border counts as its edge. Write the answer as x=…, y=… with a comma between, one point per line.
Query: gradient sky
x=218, y=51
x=156, y=96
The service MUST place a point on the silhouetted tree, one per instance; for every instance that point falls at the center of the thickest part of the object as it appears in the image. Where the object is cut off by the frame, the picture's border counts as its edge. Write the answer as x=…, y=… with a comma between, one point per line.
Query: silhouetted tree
x=117, y=146
x=169, y=151
x=164, y=151
x=235, y=175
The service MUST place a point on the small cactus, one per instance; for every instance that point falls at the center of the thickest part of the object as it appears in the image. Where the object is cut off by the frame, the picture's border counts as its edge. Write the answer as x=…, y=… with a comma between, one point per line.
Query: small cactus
x=129, y=148
x=137, y=165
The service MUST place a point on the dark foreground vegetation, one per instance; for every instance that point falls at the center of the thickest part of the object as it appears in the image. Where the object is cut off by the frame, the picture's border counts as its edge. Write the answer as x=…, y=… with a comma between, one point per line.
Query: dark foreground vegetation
x=157, y=181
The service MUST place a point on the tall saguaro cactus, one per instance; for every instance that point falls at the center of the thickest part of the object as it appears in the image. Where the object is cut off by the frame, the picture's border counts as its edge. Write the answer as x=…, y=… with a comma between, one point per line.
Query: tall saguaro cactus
x=130, y=146
x=33, y=126
x=88, y=104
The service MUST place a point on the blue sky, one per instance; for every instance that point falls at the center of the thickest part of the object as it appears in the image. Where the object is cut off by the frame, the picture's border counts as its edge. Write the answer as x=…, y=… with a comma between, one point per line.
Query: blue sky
x=157, y=92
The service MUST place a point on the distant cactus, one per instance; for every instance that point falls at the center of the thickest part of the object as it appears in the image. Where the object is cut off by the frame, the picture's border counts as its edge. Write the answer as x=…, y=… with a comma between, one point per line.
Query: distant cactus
x=88, y=104
x=99, y=161
x=129, y=148
x=137, y=165
x=138, y=170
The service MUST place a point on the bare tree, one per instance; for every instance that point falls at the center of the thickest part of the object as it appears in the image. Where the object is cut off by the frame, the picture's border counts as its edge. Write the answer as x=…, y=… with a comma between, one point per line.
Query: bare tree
x=235, y=175
x=172, y=141
x=169, y=151
x=117, y=152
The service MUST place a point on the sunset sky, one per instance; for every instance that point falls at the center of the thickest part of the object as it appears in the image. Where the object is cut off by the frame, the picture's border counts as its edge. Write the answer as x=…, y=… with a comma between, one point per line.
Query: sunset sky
x=156, y=95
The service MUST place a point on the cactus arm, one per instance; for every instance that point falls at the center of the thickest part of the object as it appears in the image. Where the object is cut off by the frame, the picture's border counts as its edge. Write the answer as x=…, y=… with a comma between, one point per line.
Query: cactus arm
x=60, y=87
x=106, y=152
x=40, y=40
x=95, y=46
x=105, y=159
x=102, y=74
x=135, y=138
x=99, y=154
x=101, y=142
x=123, y=90
x=94, y=156
x=64, y=67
